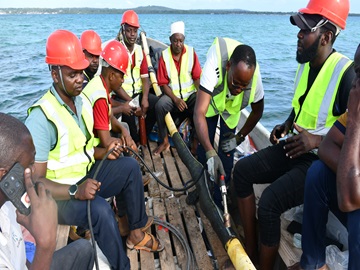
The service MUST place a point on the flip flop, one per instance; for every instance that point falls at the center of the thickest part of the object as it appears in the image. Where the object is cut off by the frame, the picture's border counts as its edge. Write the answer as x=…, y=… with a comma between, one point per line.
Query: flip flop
x=156, y=244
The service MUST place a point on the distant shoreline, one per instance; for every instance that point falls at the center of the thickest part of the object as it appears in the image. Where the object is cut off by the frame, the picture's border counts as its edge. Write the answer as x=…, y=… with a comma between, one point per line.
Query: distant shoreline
x=139, y=10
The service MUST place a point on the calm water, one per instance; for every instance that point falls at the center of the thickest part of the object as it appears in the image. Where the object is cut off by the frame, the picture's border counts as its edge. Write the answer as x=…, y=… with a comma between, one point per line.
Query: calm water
x=24, y=76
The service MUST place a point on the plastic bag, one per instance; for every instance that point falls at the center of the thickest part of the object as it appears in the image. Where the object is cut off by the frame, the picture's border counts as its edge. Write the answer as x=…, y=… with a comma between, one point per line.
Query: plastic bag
x=336, y=259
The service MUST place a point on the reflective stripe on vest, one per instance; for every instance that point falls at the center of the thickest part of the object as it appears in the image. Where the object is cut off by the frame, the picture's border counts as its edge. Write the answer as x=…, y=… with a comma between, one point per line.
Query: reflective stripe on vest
x=72, y=156
x=182, y=86
x=316, y=111
x=132, y=80
x=229, y=109
x=95, y=90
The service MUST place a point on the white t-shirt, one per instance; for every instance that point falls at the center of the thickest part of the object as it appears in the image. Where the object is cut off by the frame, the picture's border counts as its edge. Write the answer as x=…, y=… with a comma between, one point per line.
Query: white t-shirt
x=210, y=75
x=12, y=246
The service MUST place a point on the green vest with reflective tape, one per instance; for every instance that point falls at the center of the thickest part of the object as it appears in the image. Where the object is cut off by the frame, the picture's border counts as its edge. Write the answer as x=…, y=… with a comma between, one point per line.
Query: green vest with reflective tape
x=95, y=90
x=182, y=85
x=316, y=110
x=132, y=80
x=229, y=109
x=73, y=155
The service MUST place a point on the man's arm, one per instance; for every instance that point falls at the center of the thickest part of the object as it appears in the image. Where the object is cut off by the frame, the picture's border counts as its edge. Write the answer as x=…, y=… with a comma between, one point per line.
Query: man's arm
x=254, y=117
x=145, y=95
x=200, y=110
x=330, y=147
x=348, y=170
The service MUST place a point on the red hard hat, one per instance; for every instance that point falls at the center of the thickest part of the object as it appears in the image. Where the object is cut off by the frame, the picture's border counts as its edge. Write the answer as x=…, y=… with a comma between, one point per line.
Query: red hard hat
x=336, y=11
x=63, y=48
x=131, y=18
x=91, y=42
x=116, y=55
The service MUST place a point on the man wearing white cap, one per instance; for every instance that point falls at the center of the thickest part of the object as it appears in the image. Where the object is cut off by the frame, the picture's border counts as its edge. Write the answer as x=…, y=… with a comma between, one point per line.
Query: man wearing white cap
x=179, y=77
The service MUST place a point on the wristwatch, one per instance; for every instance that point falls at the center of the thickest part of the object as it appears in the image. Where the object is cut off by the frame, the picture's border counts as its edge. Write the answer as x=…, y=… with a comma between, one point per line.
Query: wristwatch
x=72, y=191
x=241, y=139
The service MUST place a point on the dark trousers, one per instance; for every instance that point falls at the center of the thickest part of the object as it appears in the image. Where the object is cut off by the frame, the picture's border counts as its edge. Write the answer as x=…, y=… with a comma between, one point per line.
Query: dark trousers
x=320, y=197
x=165, y=105
x=287, y=178
x=78, y=255
x=227, y=159
x=121, y=176
x=149, y=120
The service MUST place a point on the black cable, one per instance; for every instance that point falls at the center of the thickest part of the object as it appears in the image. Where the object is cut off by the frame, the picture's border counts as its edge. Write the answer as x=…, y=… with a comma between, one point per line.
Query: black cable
x=185, y=188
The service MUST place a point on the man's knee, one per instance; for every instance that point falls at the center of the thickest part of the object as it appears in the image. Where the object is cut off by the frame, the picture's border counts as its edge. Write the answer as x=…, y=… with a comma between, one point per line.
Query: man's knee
x=315, y=175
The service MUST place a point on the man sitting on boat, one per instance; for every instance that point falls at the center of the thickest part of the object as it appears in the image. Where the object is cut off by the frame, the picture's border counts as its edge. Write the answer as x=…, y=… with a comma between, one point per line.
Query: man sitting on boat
x=332, y=184
x=114, y=61
x=17, y=147
x=68, y=162
x=91, y=45
x=136, y=80
x=322, y=83
x=230, y=81
x=178, y=76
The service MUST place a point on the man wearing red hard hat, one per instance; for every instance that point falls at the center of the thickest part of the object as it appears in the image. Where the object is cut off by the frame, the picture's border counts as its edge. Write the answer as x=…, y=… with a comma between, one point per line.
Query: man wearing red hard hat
x=322, y=84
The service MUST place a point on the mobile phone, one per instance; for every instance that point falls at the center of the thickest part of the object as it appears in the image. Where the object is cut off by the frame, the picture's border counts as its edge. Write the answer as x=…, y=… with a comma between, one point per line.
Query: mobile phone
x=12, y=184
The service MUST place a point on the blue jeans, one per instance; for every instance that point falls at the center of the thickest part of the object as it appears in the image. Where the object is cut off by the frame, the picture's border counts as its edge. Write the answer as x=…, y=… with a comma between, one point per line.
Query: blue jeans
x=321, y=196
x=227, y=159
x=77, y=255
x=121, y=176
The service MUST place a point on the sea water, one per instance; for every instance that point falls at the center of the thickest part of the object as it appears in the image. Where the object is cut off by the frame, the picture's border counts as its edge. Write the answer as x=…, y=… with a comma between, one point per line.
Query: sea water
x=24, y=76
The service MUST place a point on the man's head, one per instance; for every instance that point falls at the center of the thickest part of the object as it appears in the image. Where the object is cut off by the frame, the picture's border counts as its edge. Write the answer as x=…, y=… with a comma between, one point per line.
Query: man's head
x=177, y=37
x=320, y=23
x=67, y=61
x=357, y=63
x=91, y=45
x=130, y=25
x=16, y=145
x=240, y=69
x=114, y=61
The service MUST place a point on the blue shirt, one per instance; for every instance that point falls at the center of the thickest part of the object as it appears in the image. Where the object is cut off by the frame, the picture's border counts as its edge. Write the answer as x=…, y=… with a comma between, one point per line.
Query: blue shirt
x=44, y=132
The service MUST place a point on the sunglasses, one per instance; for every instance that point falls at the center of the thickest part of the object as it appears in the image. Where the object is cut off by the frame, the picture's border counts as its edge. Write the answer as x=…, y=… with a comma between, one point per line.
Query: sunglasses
x=236, y=86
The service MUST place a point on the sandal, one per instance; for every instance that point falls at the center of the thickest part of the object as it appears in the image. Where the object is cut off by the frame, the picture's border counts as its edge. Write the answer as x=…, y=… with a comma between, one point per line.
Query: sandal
x=148, y=224
x=156, y=244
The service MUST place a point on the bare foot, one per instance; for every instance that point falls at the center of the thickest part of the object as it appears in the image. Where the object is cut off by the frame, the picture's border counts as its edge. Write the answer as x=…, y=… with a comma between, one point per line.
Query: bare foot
x=162, y=147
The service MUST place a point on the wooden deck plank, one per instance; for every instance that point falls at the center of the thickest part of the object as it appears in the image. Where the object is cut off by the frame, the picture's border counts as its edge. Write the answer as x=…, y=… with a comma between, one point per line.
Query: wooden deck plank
x=217, y=247
x=199, y=249
x=174, y=214
x=166, y=256
x=173, y=172
x=153, y=186
x=158, y=163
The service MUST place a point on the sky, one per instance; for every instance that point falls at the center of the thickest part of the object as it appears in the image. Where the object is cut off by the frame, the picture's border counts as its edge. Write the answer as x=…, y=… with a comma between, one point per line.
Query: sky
x=253, y=5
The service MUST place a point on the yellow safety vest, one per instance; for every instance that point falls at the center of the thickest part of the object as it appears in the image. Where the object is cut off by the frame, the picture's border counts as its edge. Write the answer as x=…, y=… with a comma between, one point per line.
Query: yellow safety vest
x=229, y=109
x=316, y=110
x=73, y=155
x=95, y=90
x=132, y=80
x=182, y=85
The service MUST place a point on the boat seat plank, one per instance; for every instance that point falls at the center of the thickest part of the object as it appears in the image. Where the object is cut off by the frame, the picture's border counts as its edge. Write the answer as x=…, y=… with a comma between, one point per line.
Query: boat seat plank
x=62, y=236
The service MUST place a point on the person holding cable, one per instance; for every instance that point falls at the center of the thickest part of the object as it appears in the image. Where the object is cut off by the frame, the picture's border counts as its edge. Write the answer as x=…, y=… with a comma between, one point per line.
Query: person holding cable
x=68, y=159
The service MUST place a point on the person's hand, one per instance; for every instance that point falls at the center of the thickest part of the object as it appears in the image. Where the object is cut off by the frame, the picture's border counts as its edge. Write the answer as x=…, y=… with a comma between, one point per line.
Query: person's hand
x=301, y=143
x=42, y=220
x=214, y=165
x=138, y=111
x=127, y=109
x=118, y=148
x=278, y=132
x=144, y=105
x=180, y=104
x=87, y=190
x=231, y=141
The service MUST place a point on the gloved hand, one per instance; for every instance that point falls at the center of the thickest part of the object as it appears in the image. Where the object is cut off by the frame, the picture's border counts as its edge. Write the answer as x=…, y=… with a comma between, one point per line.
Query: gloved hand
x=214, y=165
x=231, y=141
